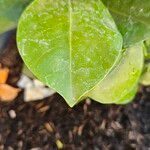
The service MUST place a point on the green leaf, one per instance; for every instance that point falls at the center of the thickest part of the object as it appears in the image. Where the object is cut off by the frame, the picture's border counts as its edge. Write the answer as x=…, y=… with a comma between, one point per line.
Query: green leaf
x=10, y=11
x=132, y=18
x=145, y=79
x=147, y=49
x=129, y=96
x=147, y=45
x=69, y=45
x=118, y=83
x=6, y=25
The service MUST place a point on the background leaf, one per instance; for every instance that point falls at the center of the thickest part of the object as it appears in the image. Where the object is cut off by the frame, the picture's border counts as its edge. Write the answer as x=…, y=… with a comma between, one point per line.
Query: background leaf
x=145, y=79
x=6, y=25
x=147, y=50
x=129, y=96
x=69, y=45
x=118, y=84
x=132, y=18
x=10, y=11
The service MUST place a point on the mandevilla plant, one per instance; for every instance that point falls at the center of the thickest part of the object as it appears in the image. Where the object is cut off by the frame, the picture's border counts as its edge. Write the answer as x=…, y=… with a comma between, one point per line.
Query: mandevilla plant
x=87, y=48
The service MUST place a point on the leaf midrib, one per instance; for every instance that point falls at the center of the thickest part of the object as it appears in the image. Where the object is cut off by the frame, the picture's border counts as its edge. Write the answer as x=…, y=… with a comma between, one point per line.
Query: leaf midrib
x=70, y=44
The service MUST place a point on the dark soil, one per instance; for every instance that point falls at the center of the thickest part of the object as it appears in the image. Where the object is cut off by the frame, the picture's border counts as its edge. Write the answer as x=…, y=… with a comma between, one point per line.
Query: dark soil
x=88, y=126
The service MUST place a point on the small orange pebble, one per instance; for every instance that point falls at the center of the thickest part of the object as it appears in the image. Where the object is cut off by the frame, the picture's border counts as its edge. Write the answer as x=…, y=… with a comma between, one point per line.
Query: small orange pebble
x=3, y=75
x=8, y=93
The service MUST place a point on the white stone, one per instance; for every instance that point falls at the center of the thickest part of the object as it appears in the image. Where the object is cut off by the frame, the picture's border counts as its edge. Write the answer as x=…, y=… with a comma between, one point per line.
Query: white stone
x=34, y=89
x=37, y=93
x=24, y=82
x=12, y=114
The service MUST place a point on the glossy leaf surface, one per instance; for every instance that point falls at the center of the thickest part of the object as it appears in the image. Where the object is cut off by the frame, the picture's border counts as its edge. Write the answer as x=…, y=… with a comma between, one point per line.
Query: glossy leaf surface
x=69, y=45
x=10, y=11
x=117, y=85
x=132, y=18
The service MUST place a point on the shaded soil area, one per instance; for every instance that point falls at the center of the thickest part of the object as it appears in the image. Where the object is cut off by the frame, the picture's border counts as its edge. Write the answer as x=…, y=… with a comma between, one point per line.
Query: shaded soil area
x=50, y=124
